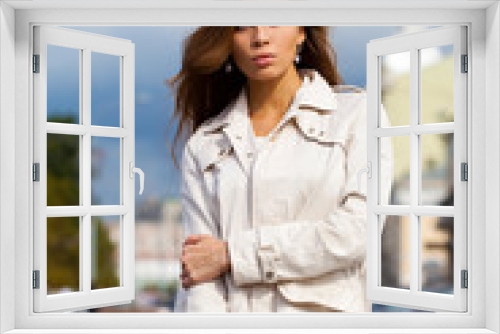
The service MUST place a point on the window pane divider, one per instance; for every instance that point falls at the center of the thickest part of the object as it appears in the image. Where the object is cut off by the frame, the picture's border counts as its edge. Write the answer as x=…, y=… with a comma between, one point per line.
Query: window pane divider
x=415, y=170
x=94, y=130
x=420, y=129
x=419, y=210
x=94, y=210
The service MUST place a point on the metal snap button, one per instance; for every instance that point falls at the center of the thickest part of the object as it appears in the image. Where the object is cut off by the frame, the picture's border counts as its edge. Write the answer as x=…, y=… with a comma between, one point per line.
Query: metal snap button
x=321, y=132
x=210, y=167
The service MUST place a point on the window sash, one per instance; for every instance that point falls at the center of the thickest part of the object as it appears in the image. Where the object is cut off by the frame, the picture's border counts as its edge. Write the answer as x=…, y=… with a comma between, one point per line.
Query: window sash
x=413, y=298
x=85, y=298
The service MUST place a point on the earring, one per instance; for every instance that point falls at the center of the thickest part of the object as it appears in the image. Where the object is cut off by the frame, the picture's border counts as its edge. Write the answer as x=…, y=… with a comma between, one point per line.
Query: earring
x=228, y=67
x=297, y=58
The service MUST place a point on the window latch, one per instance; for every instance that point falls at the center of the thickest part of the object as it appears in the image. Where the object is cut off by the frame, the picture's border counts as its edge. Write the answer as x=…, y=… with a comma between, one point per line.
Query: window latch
x=133, y=170
x=368, y=171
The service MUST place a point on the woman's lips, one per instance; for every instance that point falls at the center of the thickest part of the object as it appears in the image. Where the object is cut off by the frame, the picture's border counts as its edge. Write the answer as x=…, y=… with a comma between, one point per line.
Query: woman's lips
x=263, y=60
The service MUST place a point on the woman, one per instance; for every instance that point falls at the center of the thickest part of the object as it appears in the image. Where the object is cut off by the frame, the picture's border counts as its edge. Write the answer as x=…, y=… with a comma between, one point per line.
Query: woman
x=273, y=217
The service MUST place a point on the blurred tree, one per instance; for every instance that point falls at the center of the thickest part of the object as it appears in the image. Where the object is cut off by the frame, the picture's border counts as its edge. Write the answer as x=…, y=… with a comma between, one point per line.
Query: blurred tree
x=63, y=233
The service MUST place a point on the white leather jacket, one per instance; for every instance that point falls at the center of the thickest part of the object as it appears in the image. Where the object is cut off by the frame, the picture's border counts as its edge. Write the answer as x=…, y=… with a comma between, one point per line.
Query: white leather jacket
x=293, y=216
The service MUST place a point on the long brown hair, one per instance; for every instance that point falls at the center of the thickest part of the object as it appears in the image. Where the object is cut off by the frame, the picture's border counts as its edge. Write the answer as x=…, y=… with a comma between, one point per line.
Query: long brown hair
x=203, y=88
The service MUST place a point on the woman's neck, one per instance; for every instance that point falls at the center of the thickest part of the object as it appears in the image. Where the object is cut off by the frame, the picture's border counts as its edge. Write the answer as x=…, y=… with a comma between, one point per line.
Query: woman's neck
x=272, y=97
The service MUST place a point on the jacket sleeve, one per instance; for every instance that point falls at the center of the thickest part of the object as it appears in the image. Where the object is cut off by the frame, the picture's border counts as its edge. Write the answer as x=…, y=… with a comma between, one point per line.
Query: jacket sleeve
x=302, y=249
x=198, y=218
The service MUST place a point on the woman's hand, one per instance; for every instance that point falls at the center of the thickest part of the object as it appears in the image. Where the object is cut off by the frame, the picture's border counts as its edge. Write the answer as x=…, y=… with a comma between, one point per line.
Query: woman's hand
x=203, y=259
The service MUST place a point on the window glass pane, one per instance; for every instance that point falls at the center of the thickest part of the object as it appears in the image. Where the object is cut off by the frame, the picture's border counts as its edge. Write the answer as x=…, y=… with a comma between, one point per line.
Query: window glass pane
x=105, y=171
x=395, y=95
x=105, y=252
x=63, y=84
x=395, y=257
x=63, y=255
x=437, y=169
x=437, y=94
x=63, y=169
x=400, y=180
x=105, y=90
x=437, y=254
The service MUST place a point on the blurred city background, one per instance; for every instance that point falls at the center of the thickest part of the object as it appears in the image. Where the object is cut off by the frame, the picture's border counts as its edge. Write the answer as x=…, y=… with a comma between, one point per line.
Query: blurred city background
x=158, y=225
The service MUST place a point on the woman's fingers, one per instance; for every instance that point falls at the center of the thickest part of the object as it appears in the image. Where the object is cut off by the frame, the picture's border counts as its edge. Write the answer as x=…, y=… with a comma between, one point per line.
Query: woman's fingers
x=186, y=280
x=191, y=241
x=192, y=238
x=203, y=260
x=200, y=259
x=190, y=251
x=185, y=277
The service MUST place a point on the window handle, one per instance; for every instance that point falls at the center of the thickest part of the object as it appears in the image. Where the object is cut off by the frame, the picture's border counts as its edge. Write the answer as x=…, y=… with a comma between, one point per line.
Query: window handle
x=368, y=171
x=133, y=170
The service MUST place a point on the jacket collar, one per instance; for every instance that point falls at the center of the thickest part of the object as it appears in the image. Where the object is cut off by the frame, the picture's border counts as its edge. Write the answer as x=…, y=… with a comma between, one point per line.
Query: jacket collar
x=317, y=99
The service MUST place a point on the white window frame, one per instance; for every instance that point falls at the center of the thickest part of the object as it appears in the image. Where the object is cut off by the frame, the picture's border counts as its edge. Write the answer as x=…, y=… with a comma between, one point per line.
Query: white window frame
x=16, y=215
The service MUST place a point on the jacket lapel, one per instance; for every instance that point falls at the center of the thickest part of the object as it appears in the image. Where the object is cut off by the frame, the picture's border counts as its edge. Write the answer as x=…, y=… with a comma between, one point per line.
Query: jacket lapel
x=315, y=106
x=238, y=133
x=236, y=126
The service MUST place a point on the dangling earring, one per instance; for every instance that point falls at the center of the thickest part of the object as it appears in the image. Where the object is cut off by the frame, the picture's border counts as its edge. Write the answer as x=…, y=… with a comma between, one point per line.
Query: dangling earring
x=228, y=67
x=297, y=58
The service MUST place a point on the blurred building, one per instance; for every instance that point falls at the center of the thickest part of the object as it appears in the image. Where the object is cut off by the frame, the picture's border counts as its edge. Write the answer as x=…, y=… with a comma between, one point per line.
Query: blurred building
x=436, y=171
x=158, y=234
x=158, y=241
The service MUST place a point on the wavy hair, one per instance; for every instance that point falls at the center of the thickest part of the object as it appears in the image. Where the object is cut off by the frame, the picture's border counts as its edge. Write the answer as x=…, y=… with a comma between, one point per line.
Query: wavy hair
x=202, y=87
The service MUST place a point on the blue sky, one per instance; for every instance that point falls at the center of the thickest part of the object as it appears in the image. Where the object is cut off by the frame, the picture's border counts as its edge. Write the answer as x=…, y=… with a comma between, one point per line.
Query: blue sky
x=158, y=52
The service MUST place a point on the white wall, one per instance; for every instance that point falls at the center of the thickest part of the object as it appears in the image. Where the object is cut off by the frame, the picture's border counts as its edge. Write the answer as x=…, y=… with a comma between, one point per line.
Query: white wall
x=492, y=163
x=22, y=221
x=7, y=161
